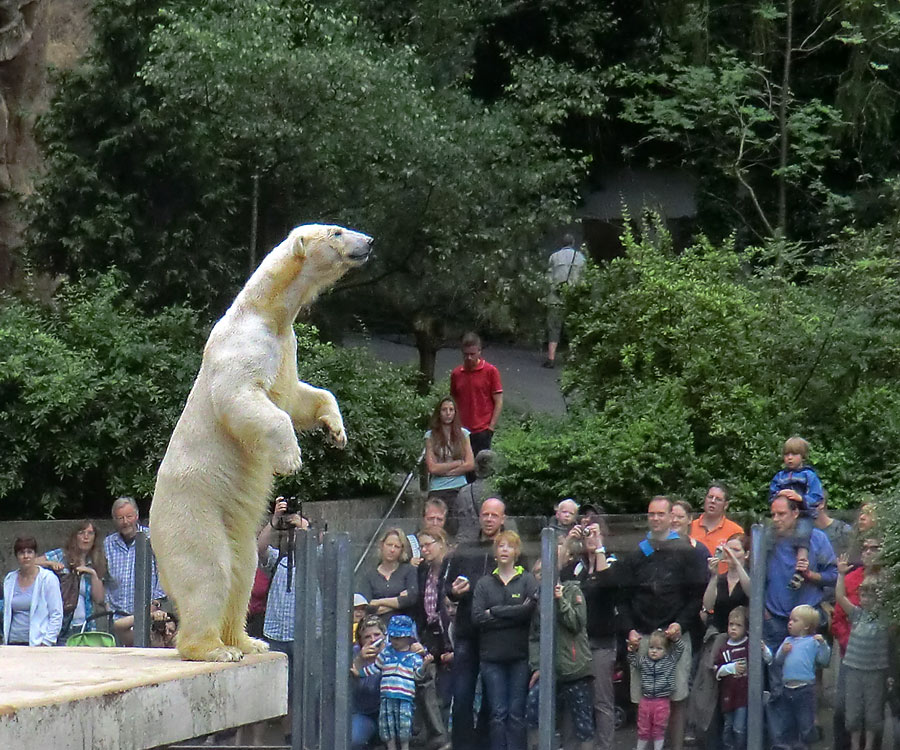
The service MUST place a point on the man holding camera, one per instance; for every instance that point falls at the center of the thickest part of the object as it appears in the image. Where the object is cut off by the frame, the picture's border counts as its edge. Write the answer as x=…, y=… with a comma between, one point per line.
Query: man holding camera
x=278, y=627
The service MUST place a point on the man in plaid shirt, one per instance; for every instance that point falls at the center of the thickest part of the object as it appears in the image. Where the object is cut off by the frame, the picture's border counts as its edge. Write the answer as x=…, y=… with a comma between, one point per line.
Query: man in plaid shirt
x=120, y=553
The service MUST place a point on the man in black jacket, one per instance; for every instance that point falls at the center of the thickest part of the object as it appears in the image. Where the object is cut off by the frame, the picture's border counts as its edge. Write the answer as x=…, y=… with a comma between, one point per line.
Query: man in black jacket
x=662, y=589
x=470, y=562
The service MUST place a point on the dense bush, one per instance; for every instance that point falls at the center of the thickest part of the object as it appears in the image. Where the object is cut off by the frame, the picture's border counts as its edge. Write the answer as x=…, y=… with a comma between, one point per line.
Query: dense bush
x=696, y=366
x=91, y=389
x=889, y=523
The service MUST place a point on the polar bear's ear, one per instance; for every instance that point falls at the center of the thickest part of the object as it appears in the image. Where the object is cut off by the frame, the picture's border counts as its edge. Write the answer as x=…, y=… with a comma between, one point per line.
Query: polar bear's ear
x=299, y=248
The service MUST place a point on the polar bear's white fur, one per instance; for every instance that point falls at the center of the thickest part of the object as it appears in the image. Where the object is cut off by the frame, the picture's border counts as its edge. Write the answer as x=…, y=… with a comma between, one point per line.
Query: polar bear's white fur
x=236, y=431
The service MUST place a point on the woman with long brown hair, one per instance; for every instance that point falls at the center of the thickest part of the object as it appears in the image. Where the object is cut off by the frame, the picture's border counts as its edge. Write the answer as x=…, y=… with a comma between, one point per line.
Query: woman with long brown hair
x=448, y=458
x=79, y=563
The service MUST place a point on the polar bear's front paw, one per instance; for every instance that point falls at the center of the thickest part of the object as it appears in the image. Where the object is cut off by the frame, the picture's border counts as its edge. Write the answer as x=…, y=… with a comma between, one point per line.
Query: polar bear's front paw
x=339, y=439
x=289, y=461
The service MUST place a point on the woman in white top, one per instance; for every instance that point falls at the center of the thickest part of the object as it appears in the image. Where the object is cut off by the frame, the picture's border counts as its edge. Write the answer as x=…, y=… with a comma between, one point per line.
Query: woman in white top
x=448, y=455
x=32, y=603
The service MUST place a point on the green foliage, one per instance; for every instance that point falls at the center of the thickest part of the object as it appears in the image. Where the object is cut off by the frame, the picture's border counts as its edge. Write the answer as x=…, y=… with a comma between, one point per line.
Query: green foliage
x=694, y=367
x=383, y=415
x=153, y=148
x=723, y=116
x=91, y=390
x=128, y=187
x=451, y=189
x=616, y=458
x=89, y=393
x=780, y=108
x=889, y=524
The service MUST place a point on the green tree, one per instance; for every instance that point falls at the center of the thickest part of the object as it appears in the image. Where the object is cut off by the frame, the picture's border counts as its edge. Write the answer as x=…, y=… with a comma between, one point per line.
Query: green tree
x=780, y=107
x=200, y=133
x=126, y=187
x=454, y=192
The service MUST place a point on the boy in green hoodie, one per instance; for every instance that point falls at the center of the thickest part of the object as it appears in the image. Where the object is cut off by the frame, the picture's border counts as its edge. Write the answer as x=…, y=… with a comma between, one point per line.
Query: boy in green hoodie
x=572, y=661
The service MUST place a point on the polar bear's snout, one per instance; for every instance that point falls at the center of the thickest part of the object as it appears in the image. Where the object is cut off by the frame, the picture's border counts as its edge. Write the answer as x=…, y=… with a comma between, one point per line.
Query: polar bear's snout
x=359, y=246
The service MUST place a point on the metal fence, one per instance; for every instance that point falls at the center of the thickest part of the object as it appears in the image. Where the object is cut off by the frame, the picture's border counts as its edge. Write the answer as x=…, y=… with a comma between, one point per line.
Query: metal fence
x=323, y=590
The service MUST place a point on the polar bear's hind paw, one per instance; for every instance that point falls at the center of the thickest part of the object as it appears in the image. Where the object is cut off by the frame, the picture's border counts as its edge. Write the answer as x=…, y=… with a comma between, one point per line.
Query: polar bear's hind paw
x=225, y=653
x=253, y=646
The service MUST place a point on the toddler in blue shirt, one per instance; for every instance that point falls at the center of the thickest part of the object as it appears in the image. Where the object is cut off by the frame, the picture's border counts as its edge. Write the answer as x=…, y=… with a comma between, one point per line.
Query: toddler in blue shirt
x=799, y=482
x=798, y=656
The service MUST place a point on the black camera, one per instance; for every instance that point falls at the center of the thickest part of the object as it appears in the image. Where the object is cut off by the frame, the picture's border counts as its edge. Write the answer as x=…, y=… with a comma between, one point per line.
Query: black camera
x=294, y=505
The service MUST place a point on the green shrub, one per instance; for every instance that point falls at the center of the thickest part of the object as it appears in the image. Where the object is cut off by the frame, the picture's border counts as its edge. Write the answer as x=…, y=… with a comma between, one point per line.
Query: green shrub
x=91, y=390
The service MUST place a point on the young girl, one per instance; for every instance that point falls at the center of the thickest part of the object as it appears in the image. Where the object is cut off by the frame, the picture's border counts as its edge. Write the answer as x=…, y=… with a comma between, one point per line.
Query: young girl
x=798, y=656
x=400, y=665
x=657, y=670
x=866, y=660
x=572, y=660
x=731, y=671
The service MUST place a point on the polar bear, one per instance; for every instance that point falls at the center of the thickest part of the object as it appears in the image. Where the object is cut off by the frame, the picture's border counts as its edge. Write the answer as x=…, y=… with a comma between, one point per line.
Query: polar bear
x=236, y=431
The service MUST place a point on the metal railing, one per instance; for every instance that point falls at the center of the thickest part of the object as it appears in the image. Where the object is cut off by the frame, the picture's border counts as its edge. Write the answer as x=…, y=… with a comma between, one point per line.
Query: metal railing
x=323, y=590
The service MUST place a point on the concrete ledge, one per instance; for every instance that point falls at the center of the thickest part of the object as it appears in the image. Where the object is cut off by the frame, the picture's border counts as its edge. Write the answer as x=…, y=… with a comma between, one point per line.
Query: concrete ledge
x=129, y=698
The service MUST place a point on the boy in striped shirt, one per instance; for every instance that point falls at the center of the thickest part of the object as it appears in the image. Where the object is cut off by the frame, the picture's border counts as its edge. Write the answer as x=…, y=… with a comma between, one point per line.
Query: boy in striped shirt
x=400, y=664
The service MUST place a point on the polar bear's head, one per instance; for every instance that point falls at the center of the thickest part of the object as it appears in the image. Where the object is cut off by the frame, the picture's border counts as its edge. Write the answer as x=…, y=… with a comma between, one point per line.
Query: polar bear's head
x=327, y=252
x=310, y=259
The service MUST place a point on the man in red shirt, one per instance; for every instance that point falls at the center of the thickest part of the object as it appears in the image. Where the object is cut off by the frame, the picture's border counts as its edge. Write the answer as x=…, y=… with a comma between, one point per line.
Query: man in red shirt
x=475, y=386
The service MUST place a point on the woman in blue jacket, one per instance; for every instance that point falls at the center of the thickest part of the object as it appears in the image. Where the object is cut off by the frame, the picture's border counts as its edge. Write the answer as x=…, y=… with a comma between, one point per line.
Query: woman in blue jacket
x=32, y=602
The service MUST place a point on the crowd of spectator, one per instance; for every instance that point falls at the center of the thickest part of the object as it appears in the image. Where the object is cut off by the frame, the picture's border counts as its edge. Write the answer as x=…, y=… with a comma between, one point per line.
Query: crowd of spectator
x=446, y=621
x=65, y=592
x=673, y=611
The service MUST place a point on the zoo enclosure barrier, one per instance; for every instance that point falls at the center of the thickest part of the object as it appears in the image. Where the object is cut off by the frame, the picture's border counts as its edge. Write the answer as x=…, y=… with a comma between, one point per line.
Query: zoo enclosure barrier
x=323, y=576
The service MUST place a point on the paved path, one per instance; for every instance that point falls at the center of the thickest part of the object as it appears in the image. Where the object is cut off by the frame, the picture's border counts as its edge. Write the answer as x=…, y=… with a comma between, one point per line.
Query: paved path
x=527, y=386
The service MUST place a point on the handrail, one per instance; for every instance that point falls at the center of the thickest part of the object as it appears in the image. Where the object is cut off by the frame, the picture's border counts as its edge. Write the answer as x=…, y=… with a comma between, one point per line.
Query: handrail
x=388, y=514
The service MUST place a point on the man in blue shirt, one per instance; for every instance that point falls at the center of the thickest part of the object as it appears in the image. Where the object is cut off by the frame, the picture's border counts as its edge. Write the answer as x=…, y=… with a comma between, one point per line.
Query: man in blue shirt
x=819, y=572
x=120, y=551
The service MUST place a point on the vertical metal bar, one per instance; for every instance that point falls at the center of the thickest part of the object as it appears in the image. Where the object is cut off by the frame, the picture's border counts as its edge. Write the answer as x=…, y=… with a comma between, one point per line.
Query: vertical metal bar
x=308, y=667
x=305, y=583
x=343, y=584
x=755, y=663
x=142, y=569
x=547, y=702
x=330, y=615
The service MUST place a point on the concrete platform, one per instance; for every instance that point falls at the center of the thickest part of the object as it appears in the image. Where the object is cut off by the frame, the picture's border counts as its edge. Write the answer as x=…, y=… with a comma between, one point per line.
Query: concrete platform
x=129, y=698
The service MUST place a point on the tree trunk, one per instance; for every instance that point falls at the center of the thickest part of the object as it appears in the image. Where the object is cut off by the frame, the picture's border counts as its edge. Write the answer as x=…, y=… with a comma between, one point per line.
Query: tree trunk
x=254, y=221
x=428, y=331
x=783, y=118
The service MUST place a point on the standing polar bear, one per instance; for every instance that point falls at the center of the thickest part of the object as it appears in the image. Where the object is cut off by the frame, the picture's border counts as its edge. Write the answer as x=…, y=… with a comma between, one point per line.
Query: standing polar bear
x=236, y=431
